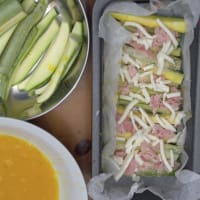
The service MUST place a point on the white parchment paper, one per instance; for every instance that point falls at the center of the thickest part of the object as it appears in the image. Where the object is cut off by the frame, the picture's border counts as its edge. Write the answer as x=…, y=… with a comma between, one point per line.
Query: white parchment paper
x=185, y=185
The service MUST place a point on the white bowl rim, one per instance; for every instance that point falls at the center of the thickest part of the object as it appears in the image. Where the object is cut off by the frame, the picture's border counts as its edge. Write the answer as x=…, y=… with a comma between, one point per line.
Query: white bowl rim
x=40, y=132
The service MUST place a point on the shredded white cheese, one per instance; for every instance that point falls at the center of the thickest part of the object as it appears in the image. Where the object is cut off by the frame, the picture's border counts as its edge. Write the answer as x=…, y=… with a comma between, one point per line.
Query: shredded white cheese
x=160, y=121
x=168, y=125
x=133, y=121
x=146, y=117
x=120, y=139
x=152, y=81
x=127, y=110
x=179, y=117
x=128, y=60
x=140, y=122
x=148, y=67
x=173, y=113
x=125, y=97
x=169, y=33
x=155, y=143
x=137, y=96
x=148, y=73
x=160, y=63
x=121, y=74
x=146, y=95
x=126, y=74
x=174, y=139
x=141, y=28
x=130, y=141
x=171, y=158
x=174, y=94
x=139, y=160
x=161, y=87
x=118, y=160
x=163, y=157
x=169, y=59
x=124, y=166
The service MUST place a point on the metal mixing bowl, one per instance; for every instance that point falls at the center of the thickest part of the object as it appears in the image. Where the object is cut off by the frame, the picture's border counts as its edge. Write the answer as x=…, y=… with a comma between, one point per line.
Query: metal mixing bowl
x=22, y=106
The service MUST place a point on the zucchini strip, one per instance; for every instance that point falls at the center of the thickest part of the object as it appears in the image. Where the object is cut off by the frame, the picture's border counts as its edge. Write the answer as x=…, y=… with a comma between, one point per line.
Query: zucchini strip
x=74, y=10
x=11, y=13
x=28, y=5
x=5, y=37
x=75, y=71
x=35, y=34
x=72, y=46
x=13, y=48
x=36, y=52
x=174, y=23
x=49, y=63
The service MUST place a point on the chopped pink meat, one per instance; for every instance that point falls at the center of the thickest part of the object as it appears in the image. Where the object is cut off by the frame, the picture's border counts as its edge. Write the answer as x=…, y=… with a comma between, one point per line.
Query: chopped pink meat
x=142, y=49
x=175, y=102
x=131, y=168
x=125, y=126
x=124, y=90
x=132, y=71
x=160, y=167
x=155, y=102
x=161, y=37
x=120, y=153
x=147, y=166
x=148, y=153
x=161, y=132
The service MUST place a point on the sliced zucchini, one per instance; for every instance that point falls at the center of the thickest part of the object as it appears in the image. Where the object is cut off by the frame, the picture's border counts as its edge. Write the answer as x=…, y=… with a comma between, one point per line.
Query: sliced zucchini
x=11, y=13
x=14, y=45
x=73, y=44
x=5, y=37
x=76, y=69
x=173, y=23
x=36, y=52
x=49, y=63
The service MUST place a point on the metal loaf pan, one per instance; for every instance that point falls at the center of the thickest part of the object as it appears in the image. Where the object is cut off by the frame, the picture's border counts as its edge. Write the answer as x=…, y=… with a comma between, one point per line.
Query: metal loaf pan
x=192, y=146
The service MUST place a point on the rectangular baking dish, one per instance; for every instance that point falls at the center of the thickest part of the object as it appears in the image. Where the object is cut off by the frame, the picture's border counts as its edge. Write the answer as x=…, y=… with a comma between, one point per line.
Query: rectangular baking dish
x=192, y=146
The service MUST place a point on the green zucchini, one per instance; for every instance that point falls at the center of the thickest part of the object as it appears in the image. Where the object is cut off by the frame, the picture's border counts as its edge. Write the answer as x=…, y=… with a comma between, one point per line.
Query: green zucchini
x=14, y=45
x=35, y=33
x=11, y=13
x=49, y=63
x=28, y=5
x=36, y=52
x=176, y=52
x=74, y=10
x=5, y=37
x=73, y=44
x=173, y=23
x=74, y=72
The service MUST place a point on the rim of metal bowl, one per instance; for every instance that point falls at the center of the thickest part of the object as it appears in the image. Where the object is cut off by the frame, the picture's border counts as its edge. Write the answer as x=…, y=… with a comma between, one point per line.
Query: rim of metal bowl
x=80, y=75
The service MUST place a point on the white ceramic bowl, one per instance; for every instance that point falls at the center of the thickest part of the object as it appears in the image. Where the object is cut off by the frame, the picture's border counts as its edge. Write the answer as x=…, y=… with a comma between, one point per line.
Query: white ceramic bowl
x=71, y=182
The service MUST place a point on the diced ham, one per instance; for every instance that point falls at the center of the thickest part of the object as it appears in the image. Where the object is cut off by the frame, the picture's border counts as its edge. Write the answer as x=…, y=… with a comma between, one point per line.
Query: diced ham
x=161, y=37
x=160, y=167
x=175, y=102
x=125, y=126
x=155, y=102
x=142, y=49
x=120, y=153
x=146, y=167
x=148, y=153
x=124, y=90
x=131, y=168
x=161, y=132
x=132, y=71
